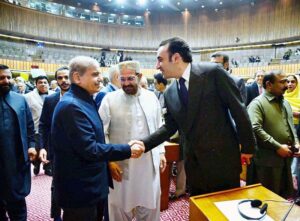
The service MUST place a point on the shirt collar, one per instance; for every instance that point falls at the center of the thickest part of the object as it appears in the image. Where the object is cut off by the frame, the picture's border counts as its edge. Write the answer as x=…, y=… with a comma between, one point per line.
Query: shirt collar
x=271, y=97
x=186, y=73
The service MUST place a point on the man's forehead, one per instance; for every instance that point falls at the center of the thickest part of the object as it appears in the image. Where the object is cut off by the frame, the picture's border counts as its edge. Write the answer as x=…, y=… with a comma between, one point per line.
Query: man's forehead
x=162, y=50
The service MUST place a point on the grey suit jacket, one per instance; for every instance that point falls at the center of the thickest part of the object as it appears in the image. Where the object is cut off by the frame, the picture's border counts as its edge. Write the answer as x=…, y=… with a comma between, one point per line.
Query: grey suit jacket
x=210, y=142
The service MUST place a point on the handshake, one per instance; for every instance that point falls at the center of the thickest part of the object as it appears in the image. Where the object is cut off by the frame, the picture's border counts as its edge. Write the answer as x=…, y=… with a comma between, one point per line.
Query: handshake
x=137, y=148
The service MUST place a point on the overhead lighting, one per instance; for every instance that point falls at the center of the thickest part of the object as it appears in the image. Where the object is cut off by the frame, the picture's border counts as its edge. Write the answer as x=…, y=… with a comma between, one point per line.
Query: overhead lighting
x=162, y=6
x=142, y=2
x=202, y=6
x=96, y=7
x=216, y=10
x=86, y=10
x=221, y=3
x=71, y=7
x=178, y=3
x=120, y=2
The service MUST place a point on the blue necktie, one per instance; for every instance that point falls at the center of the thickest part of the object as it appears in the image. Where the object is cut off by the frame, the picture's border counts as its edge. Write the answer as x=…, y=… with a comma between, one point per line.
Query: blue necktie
x=183, y=92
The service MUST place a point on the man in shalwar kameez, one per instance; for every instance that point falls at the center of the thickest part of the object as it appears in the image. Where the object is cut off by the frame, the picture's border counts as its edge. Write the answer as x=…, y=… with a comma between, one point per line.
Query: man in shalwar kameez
x=133, y=113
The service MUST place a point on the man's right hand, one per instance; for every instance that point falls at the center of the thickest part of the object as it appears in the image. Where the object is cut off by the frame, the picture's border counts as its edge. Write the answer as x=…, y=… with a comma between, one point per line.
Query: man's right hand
x=43, y=156
x=116, y=171
x=284, y=151
x=137, y=148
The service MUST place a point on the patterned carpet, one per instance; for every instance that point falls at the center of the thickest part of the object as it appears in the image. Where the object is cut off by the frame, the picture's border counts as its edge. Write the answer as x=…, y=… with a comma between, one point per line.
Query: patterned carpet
x=38, y=202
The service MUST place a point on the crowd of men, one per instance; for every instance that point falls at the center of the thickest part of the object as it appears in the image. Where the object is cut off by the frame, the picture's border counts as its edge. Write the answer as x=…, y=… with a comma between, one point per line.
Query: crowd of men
x=105, y=149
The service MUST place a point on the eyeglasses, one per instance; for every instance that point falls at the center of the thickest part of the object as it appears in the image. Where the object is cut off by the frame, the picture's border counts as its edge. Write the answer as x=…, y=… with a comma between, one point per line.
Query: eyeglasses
x=130, y=78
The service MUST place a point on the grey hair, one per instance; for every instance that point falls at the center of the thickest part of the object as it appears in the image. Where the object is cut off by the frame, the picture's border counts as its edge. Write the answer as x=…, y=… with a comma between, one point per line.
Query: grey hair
x=112, y=71
x=80, y=64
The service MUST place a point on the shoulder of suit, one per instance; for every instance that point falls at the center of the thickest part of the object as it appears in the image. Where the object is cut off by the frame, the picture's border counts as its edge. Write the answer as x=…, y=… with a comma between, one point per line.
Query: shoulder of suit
x=204, y=67
x=16, y=95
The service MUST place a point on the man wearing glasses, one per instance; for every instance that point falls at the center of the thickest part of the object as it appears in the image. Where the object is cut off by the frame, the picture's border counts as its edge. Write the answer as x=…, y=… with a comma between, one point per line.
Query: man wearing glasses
x=133, y=113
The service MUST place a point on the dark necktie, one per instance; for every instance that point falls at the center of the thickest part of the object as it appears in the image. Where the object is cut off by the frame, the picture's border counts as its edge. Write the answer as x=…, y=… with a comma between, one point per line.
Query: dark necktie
x=183, y=92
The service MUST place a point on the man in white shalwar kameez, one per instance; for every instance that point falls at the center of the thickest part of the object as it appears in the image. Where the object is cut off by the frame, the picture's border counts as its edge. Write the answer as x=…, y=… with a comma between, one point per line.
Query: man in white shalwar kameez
x=133, y=113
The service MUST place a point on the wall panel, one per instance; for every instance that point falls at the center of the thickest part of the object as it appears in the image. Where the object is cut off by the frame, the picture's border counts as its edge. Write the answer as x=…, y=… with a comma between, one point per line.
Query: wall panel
x=266, y=21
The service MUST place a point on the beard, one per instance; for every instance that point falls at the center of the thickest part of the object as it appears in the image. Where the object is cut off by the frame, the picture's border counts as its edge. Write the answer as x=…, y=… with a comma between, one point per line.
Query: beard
x=4, y=89
x=64, y=86
x=130, y=89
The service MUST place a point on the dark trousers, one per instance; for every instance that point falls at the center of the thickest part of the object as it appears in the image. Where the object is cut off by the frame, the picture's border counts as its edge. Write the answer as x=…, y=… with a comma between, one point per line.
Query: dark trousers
x=16, y=210
x=55, y=209
x=94, y=213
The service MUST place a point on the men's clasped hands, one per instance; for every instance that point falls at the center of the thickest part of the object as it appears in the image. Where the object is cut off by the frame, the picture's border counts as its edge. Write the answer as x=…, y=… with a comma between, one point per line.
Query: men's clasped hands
x=137, y=148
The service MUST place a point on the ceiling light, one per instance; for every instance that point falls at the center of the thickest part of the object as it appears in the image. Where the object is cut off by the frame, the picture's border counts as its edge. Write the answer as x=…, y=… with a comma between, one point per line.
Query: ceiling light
x=96, y=7
x=216, y=10
x=202, y=6
x=142, y=2
x=221, y=3
x=162, y=6
x=178, y=3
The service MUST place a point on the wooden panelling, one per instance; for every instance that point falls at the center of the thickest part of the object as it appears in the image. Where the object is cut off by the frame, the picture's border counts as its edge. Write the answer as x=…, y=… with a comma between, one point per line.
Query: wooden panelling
x=245, y=72
x=51, y=68
x=265, y=21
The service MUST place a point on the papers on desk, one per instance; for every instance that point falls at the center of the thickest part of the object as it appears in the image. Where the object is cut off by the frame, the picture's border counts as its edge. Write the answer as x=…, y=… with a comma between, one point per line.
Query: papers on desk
x=230, y=210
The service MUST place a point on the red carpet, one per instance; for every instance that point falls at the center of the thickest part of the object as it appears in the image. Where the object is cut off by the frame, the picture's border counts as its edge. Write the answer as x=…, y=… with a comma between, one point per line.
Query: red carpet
x=38, y=202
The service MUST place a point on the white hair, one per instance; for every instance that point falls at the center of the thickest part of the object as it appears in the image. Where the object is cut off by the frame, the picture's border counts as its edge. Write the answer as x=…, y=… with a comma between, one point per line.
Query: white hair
x=80, y=64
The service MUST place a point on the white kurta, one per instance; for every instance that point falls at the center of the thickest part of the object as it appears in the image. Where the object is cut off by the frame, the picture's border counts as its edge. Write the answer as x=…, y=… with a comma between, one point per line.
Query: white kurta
x=35, y=103
x=126, y=118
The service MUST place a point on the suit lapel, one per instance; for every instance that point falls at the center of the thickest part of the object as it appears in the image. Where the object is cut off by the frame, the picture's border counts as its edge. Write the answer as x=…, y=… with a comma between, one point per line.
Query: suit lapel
x=196, y=83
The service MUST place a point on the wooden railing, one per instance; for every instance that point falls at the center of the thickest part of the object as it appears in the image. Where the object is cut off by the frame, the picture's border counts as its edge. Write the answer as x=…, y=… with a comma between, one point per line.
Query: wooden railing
x=247, y=72
x=51, y=68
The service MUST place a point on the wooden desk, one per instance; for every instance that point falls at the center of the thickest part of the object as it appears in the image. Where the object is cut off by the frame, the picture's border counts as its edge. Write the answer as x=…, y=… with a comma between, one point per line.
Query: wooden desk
x=172, y=154
x=202, y=207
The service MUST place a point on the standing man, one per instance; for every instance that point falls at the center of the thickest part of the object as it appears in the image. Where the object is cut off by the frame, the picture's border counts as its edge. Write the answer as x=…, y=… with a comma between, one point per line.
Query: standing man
x=46, y=151
x=272, y=121
x=160, y=84
x=114, y=84
x=81, y=175
x=223, y=59
x=198, y=104
x=256, y=88
x=35, y=100
x=16, y=150
x=143, y=116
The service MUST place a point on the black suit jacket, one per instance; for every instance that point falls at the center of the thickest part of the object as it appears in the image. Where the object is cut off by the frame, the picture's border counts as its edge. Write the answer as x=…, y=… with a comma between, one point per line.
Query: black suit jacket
x=45, y=121
x=210, y=142
x=241, y=86
x=252, y=92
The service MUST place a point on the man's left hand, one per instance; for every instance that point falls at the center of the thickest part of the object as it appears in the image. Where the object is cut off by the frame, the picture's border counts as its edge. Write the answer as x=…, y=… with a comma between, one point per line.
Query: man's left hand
x=246, y=158
x=163, y=162
x=32, y=154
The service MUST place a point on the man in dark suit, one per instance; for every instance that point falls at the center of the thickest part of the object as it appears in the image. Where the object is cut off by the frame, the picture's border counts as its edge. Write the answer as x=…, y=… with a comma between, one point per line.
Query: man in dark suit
x=223, y=59
x=114, y=84
x=46, y=152
x=198, y=104
x=256, y=88
x=81, y=176
x=16, y=150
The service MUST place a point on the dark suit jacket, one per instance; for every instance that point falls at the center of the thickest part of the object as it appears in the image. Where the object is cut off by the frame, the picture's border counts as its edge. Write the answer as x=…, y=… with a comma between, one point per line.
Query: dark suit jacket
x=241, y=86
x=252, y=92
x=21, y=182
x=80, y=154
x=210, y=142
x=102, y=93
x=45, y=121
